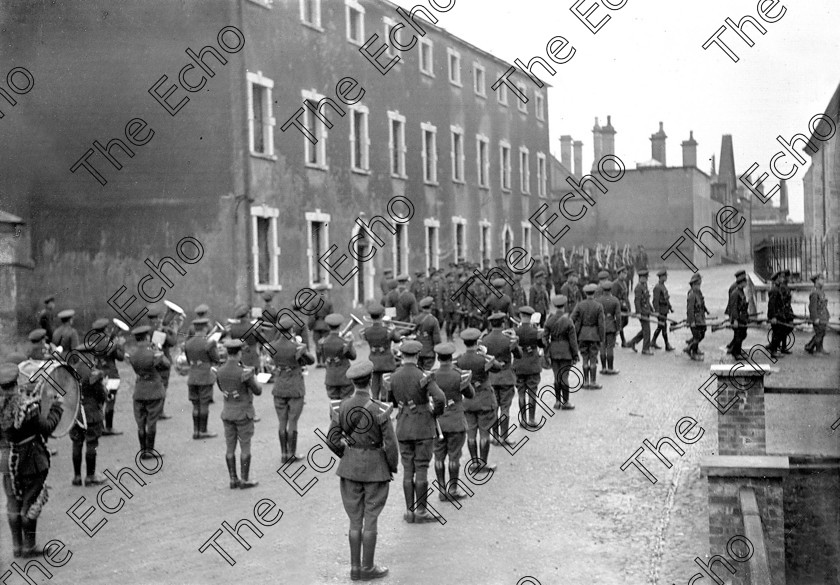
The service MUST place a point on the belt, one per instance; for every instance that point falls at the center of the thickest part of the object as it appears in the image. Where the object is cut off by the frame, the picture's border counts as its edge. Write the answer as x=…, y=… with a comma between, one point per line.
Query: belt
x=377, y=350
x=365, y=447
x=198, y=363
x=27, y=440
x=286, y=368
x=333, y=361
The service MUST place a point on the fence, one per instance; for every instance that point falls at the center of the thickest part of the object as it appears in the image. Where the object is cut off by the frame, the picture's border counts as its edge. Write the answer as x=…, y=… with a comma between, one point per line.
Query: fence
x=803, y=256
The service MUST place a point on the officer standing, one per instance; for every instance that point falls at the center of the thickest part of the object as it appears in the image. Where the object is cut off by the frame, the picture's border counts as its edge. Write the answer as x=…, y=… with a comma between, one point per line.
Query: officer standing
x=202, y=356
x=66, y=335
x=560, y=340
x=379, y=339
x=238, y=386
x=148, y=363
x=619, y=291
x=93, y=397
x=612, y=321
x=643, y=310
x=571, y=290
x=428, y=334
x=695, y=317
x=527, y=367
x=502, y=347
x=361, y=434
x=337, y=352
x=588, y=318
x=538, y=296
x=738, y=311
x=406, y=304
x=45, y=317
x=317, y=323
x=818, y=313
x=662, y=305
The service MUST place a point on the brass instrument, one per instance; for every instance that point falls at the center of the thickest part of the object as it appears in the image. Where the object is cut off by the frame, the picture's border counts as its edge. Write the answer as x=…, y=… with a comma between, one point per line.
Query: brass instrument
x=354, y=321
x=216, y=332
x=174, y=316
x=391, y=322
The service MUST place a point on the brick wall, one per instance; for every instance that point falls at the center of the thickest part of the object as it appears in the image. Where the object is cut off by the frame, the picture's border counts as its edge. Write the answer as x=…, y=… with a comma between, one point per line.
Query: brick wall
x=741, y=429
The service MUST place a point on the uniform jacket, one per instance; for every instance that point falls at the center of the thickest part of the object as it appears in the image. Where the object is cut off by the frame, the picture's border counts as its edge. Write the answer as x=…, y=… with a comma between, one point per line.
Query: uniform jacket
x=170, y=341
x=428, y=333
x=619, y=291
x=588, y=318
x=202, y=356
x=45, y=321
x=250, y=355
x=67, y=337
x=517, y=298
x=288, y=357
x=316, y=320
x=379, y=338
x=391, y=299
x=560, y=337
x=455, y=385
x=778, y=304
x=612, y=312
x=406, y=306
x=661, y=299
x=572, y=294
x=729, y=295
x=238, y=386
x=108, y=362
x=31, y=456
x=738, y=307
x=148, y=363
x=695, y=311
x=480, y=366
x=642, y=299
x=337, y=354
x=529, y=342
x=818, y=306
x=411, y=389
x=538, y=299
x=499, y=346
x=419, y=289
x=38, y=351
x=93, y=392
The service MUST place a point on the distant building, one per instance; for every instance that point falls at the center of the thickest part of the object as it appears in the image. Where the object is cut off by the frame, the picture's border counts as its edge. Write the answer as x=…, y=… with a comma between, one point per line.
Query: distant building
x=822, y=181
x=770, y=221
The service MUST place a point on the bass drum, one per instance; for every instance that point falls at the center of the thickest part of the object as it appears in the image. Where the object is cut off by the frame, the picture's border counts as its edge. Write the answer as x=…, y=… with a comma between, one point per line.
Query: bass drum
x=55, y=383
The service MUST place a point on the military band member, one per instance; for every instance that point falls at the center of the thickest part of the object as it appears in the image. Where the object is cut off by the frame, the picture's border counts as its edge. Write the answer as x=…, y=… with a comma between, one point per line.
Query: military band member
x=571, y=290
x=643, y=309
x=240, y=328
x=367, y=446
x=527, y=367
x=379, y=338
x=517, y=297
x=170, y=340
x=779, y=313
x=662, y=306
x=412, y=389
x=619, y=291
x=589, y=321
x=560, y=341
x=503, y=348
x=738, y=311
x=148, y=363
x=695, y=314
x=437, y=290
x=238, y=386
x=46, y=316
x=202, y=356
x=612, y=321
x=289, y=388
x=202, y=311
x=480, y=410
x=538, y=298
x=502, y=304
x=111, y=349
x=419, y=288
x=818, y=313
x=337, y=352
x=93, y=397
x=406, y=302
x=317, y=323
x=39, y=348
x=298, y=329
x=24, y=460
x=428, y=334
x=66, y=336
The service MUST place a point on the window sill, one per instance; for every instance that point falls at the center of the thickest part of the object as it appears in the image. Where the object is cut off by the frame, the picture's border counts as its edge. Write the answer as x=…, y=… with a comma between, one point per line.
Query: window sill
x=400, y=177
x=312, y=285
x=459, y=181
x=481, y=95
x=268, y=287
x=354, y=42
x=316, y=167
x=264, y=156
x=263, y=3
x=506, y=190
x=504, y=104
x=361, y=171
x=428, y=73
x=431, y=183
x=312, y=25
x=458, y=85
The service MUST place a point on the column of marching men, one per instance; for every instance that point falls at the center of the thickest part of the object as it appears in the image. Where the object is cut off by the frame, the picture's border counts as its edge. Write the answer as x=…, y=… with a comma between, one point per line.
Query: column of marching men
x=394, y=406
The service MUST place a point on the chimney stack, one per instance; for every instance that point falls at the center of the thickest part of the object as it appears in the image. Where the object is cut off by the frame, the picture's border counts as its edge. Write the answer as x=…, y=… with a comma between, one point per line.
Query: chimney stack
x=566, y=151
x=657, y=145
x=578, y=170
x=783, y=200
x=608, y=143
x=689, y=150
x=597, y=144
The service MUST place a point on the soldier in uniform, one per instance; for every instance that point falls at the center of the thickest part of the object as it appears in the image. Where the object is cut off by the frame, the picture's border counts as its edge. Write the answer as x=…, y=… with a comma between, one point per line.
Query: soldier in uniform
x=538, y=298
x=361, y=434
x=202, y=356
x=818, y=313
x=202, y=311
x=588, y=318
x=392, y=296
x=412, y=389
x=527, y=367
x=387, y=276
x=240, y=328
x=268, y=308
x=45, y=317
x=93, y=397
x=517, y=297
x=317, y=323
x=38, y=348
x=406, y=302
x=289, y=388
x=571, y=290
x=379, y=339
x=643, y=309
x=738, y=311
x=148, y=363
x=451, y=307
x=419, y=288
x=612, y=320
x=337, y=352
x=695, y=314
x=24, y=460
x=455, y=384
x=238, y=386
x=301, y=331
x=428, y=334
x=619, y=291
x=66, y=335
x=662, y=305
x=107, y=358
x=732, y=287
x=641, y=260
x=170, y=341
x=480, y=410
x=501, y=304
x=779, y=313
x=560, y=341
x=503, y=348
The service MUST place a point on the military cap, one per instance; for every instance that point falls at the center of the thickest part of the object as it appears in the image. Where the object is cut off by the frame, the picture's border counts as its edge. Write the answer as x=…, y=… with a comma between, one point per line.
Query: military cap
x=569, y=272
x=285, y=323
x=66, y=314
x=234, y=344
x=539, y=273
x=49, y=299
x=607, y=285
x=376, y=310
x=695, y=278
x=590, y=288
x=445, y=349
x=8, y=373
x=420, y=273
x=153, y=312
x=498, y=282
x=815, y=277
x=321, y=286
x=241, y=311
x=526, y=310
x=499, y=260
x=740, y=273
x=662, y=272
x=359, y=370
x=620, y=268
x=426, y=302
x=388, y=272
x=142, y=330
x=412, y=347
x=743, y=277
x=201, y=309
x=603, y=274
x=201, y=321
x=99, y=324
x=334, y=320
x=643, y=272
x=268, y=296
x=559, y=300
x=498, y=316
x=37, y=334
x=470, y=334
x=403, y=278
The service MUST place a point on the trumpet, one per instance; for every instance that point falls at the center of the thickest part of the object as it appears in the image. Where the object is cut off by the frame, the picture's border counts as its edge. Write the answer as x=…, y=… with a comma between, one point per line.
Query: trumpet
x=216, y=333
x=401, y=324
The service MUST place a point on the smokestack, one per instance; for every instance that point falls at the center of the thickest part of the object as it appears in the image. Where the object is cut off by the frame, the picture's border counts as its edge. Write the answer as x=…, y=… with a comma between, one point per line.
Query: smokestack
x=689, y=150
x=783, y=200
x=657, y=145
x=566, y=151
x=608, y=143
x=578, y=170
x=597, y=144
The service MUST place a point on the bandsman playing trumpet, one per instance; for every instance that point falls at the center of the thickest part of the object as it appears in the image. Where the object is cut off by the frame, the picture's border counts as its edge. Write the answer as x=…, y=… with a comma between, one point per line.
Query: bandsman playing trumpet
x=503, y=346
x=107, y=356
x=156, y=322
x=202, y=355
x=560, y=341
x=337, y=351
x=148, y=363
x=93, y=397
x=379, y=339
x=428, y=333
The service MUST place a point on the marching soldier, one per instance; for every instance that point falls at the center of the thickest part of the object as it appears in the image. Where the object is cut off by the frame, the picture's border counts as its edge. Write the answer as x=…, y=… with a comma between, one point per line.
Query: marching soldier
x=738, y=311
x=406, y=302
x=93, y=397
x=66, y=337
x=502, y=347
x=299, y=330
x=695, y=314
x=538, y=297
x=428, y=334
x=317, y=323
x=818, y=313
x=571, y=290
x=369, y=458
x=641, y=260
x=412, y=389
x=170, y=341
x=379, y=339
x=437, y=290
x=392, y=296
x=238, y=386
x=779, y=313
x=603, y=276
x=201, y=312
x=455, y=385
x=732, y=288
x=38, y=346
x=560, y=340
x=619, y=291
x=419, y=288
x=107, y=359
x=527, y=367
x=337, y=352
x=148, y=363
x=240, y=328
x=289, y=388
x=480, y=410
x=612, y=320
x=643, y=309
x=451, y=307
x=202, y=355
x=45, y=317
x=517, y=297
x=588, y=318
x=501, y=304
x=662, y=305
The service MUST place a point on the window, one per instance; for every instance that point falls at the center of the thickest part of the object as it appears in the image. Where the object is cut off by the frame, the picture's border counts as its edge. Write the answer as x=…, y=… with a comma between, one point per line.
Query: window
x=396, y=144
x=541, y=175
x=427, y=64
x=355, y=21
x=504, y=164
x=523, y=107
x=459, y=229
x=310, y=13
x=401, y=248
x=454, y=66
x=318, y=238
x=432, y=243
x=429, y=153
x=484, y=242
x=526, y=237
x=389, y=24
x=260, y=119
x=264, y=248
x=315, y=154
x=359, y=138
x=478, y=80
x=457, y=154
x=544, y=248
x=482, y=148
x=502, y=93
x=539, y=105
x=524, y=170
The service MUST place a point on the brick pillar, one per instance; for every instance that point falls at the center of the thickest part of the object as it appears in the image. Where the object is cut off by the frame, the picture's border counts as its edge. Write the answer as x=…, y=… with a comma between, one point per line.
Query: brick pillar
x=740, y=406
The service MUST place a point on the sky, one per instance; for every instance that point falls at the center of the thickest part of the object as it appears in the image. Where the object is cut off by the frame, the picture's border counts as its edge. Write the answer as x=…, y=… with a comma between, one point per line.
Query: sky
x=647, y=64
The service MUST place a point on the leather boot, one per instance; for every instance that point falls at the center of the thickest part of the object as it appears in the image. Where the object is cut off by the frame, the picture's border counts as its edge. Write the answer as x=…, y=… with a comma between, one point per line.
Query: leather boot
x=454, y=491
x=203, y=429
x=30, y=549
x=284, y=439
x=141, y=437
x=421, y=511
x=485, y=451
x=440, y=473
x=150, y=444
x=370, y=571
x=408, y=493
x=196, y=426
x=593, y=376
x=92, y=477
x=585, y=384
x=245, y=466
x=292, y=446
x=472, y=447
x=17, y=535
x=355, y=537
x=230, y=460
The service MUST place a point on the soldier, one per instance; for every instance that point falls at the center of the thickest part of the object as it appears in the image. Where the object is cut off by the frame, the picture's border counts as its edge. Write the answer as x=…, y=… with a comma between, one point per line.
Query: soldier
x=571, y=291
x=238, y=386
x=779, y=313
x=641, y=260
x=93, y=397
x=107, y=359
x=612, y=319
x=501, y=304
x=298, y=329
x=455, y=384
x=369, y=458
x=549, y=279
x=480, y=410
x=170, y=340
x=588, y=318
x=379, y=339
x=538, y=298
x=289, y=388
x=527, y=367
x=66, y=337
x=517, y=296
x=387, y=276
x=560, y=341
x=695, y=314
x=317, y=324
x=818, y=312
x=451, y=307
x=337, y=352
x=643, y=309
x=201, y=312
x=603, y=276
x=503, y=348
x=732, y=287
x=268, y=308
x=45, y=317
x=38, y=347
x=202, y=355
x=412, y=390
x=662, y=306
x=240, y=328
x=419, y=288
x=148, y=363
x=392, y=296
x=428, y=334
x=619, y=291
x=738, y=311
x=406, y=302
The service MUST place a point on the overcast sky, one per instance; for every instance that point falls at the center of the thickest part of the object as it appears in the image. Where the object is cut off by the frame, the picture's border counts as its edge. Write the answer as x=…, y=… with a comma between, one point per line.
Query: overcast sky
x=647, y=65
